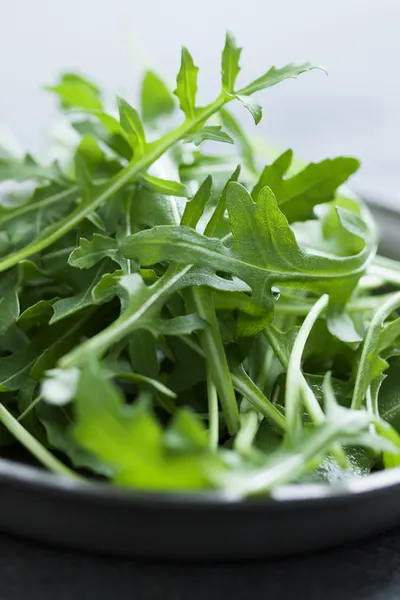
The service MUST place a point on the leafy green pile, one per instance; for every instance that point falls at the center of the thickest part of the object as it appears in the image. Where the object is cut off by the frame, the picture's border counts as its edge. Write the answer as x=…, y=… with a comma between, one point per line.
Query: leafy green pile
x=173, y=318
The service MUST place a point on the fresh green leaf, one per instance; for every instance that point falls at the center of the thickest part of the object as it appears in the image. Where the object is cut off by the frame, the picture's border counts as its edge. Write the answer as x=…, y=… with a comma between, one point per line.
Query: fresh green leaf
x=316, y=184
x=230, y=63
x=91, y=252
x=254, y=109
x=131, y=123
x=274, y=76
x=130, y=439
x=76, y=92
x=156, y=99
x=195, y=208
x=163, y=186
x=186, y=84
x=212, y=133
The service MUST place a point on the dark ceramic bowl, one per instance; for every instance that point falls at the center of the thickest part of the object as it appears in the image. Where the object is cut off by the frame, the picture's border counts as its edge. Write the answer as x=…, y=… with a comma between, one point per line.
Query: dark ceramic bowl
x=104, y=519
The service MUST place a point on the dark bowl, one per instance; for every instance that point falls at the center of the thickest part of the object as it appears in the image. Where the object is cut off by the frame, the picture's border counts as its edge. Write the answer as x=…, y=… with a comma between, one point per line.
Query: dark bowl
x=208, y=526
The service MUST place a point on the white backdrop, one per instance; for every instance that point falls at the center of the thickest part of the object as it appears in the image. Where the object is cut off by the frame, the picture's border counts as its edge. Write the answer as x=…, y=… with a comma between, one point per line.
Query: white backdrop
x=354, y=111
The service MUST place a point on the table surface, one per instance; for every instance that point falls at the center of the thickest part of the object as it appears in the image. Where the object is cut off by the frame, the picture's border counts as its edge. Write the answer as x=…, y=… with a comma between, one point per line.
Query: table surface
x=366, y=571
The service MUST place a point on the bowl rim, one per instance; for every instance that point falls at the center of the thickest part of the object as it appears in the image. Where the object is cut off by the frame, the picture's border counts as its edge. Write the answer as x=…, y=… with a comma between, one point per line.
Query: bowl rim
x=23, y=476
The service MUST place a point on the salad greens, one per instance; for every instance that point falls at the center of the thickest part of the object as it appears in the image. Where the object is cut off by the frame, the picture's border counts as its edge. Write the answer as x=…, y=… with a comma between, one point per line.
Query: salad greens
x=176, y=317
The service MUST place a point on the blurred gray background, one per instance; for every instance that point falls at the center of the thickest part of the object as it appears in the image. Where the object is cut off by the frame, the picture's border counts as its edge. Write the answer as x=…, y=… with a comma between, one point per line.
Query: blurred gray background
x=354, y=111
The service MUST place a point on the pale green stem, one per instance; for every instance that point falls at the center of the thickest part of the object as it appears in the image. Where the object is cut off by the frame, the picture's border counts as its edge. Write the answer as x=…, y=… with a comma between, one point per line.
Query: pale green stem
x=213, y=413
x=28, y=409
x=295, y=379
x=248, y=430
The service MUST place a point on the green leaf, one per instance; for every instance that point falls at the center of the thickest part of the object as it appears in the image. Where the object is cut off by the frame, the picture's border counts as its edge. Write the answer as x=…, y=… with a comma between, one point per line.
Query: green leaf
x=272, y=175
x=389, y=395
x=163, y=186
x=106, y=129
x=274, y=76
x=26, y=169
x=264, y=250
x=9, y=300
x=43, y=349
x=183, y=325
x=65, y=307
x=316, y=184
x=246, y=386
x=305, y=454
x=156, y=99
x=371, y=365
x=131, y=123
x=37, y=315
x=254, y=109
x=130, y=439
x=76, y=92
x=91, y=252
x=143, y=353
x=230, y=63
x=143, y=306
x=58, y=425
x=186, y=84
x=212, y=133
x=107, y=287
x=215, y=224
x=195, y=208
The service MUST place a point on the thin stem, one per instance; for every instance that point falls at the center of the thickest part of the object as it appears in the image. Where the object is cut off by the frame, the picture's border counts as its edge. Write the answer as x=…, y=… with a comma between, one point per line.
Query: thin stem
x=33, y=446
x=246, y=386
x=28, y=409
x=247, y=432
x=295, y=379
x=214, y=351
x=213, y=413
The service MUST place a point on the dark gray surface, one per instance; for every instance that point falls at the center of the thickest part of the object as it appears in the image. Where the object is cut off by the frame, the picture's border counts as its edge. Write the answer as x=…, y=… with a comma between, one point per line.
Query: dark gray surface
x=369, y=571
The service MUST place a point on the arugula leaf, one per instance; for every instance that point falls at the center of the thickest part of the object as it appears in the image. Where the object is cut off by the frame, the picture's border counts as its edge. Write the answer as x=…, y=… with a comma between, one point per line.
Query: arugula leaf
x=76, y=92
x=9, y=300
x=143, y=307
x=156, y=99
x=254, y=109
x=230, y=63
x=195, y=208
x=91, y=252
x=28, y=168
x=186, y=84
x=316, y=184
x=371, y=364
x=131, y=123
x=264, y=250
x=274, y=76
x=130, y=439
x=213, y=133
x=163, y=186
